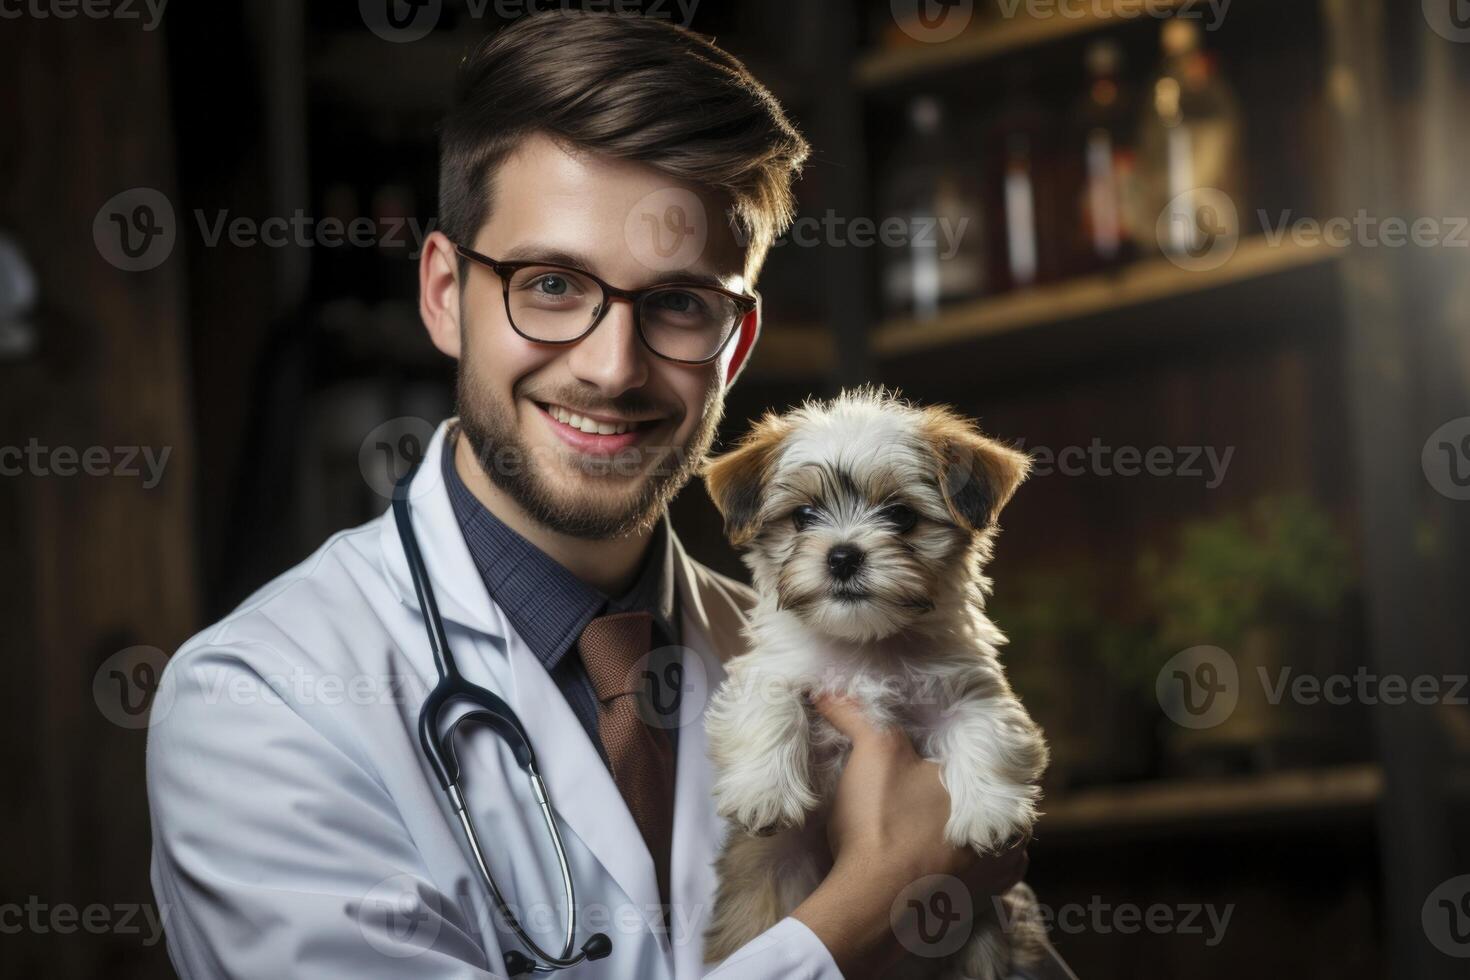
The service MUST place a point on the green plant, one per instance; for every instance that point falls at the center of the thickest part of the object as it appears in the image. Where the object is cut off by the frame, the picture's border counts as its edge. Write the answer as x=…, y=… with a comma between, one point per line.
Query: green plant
x=1273, y=566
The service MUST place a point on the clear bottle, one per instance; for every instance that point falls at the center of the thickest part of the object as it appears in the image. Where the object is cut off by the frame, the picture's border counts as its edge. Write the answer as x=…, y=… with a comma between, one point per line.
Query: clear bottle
x=1190, y=148
x=1105, y=146
x=1028, y=244
x=938, y=257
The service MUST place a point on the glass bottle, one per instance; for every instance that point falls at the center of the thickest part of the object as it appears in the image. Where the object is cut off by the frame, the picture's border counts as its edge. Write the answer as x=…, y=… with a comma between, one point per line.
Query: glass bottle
x=1190, y=147
x=1105, y=146
x=935, y=253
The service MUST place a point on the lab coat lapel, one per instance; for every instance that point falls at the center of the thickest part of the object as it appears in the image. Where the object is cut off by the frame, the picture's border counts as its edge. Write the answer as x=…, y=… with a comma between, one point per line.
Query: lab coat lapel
x=582, y=789
x=711, y=628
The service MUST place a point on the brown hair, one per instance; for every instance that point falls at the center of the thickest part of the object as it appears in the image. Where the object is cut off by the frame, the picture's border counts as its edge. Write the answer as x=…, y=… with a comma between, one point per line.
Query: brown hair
x=635, y=88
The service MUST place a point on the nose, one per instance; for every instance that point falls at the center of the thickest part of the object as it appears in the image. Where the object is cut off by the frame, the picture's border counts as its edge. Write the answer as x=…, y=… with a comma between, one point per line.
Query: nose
x=844, y=560
x=612, y=357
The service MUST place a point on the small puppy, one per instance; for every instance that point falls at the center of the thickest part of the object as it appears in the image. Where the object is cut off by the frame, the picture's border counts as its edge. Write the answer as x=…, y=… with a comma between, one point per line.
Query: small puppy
x=866, y=522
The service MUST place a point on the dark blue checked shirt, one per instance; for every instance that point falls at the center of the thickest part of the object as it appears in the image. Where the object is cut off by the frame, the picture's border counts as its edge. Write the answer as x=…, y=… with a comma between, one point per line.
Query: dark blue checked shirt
x=548, y=605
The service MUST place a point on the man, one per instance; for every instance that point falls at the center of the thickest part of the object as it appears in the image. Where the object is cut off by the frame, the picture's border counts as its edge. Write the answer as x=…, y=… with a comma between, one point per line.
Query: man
x=298, y=830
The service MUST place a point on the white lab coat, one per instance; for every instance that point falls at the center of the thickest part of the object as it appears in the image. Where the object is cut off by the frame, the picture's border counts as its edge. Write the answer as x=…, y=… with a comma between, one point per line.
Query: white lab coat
x=298, y=831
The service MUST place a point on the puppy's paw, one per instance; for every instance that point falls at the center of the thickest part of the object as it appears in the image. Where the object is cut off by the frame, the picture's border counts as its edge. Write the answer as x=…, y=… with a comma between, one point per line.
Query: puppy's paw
x=778, y=803
x=992, y=820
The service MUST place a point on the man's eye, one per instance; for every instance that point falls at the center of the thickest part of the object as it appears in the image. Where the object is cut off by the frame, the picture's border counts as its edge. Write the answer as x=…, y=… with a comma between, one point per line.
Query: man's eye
x=804, y=517
x=901, y=516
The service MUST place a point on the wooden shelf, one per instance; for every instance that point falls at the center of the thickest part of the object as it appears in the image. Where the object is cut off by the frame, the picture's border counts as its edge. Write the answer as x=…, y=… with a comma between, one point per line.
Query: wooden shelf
x=1182, y=804
x=882, y=68
x=1142, y=282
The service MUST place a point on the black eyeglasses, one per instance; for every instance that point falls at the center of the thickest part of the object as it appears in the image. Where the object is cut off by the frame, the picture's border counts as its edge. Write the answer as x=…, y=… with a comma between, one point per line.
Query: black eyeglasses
x=555, y=304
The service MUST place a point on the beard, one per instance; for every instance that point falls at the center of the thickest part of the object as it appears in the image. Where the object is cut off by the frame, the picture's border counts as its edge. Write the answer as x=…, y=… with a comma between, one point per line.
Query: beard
x=612, y=496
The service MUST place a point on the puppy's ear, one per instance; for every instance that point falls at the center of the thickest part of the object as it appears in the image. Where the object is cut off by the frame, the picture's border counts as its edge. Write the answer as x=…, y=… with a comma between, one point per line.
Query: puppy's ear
x=977, y=475
x=737, y=480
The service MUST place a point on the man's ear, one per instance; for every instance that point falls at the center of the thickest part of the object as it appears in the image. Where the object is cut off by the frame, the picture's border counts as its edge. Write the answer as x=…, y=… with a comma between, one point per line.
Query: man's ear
x=747, y=334
x=977, y=475
x=439, y=292
x=737, y=480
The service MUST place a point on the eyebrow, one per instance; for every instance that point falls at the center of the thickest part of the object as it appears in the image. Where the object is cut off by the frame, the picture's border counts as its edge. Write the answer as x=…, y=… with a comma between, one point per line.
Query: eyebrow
x=576, y=260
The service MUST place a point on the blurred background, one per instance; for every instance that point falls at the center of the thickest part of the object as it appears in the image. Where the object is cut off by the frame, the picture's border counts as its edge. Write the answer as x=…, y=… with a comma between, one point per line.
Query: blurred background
x=1208, y=262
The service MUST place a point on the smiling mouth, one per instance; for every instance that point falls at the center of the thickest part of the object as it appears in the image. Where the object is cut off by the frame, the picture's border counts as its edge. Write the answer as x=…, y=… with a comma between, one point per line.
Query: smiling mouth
x=851, y=595
x=594, y=425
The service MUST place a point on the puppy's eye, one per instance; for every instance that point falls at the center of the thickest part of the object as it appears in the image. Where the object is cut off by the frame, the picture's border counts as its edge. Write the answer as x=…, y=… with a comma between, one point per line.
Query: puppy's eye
x=804, y=517
x=901, y=516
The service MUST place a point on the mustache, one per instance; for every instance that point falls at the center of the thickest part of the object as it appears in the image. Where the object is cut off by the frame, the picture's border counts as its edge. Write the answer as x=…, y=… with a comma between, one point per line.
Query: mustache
x=631, y=402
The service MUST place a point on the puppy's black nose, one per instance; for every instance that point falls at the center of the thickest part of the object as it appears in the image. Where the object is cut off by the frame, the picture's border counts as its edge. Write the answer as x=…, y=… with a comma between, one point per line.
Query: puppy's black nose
x=844, y=561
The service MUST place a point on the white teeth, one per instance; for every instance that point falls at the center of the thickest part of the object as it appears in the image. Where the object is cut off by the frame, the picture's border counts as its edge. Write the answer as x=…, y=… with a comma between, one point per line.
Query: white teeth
x=589, y=426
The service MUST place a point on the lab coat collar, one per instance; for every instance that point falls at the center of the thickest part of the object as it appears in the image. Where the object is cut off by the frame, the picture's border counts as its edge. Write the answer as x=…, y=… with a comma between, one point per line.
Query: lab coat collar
x=457, y=585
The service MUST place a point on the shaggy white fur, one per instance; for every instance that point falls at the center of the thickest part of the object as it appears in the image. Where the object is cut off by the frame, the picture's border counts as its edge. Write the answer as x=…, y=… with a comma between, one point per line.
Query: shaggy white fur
x=866, y=523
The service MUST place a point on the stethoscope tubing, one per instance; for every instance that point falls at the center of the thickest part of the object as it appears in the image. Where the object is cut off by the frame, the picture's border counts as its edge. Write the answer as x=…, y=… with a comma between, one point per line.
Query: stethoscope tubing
x=442, y=758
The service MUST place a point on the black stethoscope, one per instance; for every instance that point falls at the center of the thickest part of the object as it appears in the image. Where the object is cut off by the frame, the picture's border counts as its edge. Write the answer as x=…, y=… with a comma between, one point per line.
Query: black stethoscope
x=489, y=709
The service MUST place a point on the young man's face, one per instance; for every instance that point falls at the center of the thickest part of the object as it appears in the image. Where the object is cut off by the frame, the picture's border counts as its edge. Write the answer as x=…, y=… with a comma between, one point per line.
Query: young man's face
x=515, y=396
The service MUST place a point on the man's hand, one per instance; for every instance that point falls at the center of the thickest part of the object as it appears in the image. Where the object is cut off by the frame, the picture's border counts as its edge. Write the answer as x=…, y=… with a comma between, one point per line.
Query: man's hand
x=886, y=832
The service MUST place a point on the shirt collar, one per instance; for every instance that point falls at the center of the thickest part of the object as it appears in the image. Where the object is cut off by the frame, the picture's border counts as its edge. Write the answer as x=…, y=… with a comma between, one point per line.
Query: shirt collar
x=547, y=605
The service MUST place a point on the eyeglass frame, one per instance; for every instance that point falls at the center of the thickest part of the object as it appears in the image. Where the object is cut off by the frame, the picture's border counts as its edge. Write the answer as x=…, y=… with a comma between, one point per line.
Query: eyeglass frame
x=747, y=303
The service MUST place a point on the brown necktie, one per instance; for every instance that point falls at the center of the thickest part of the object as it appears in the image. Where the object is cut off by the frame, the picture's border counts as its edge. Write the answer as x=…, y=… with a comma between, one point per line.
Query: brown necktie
x=641, y=757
